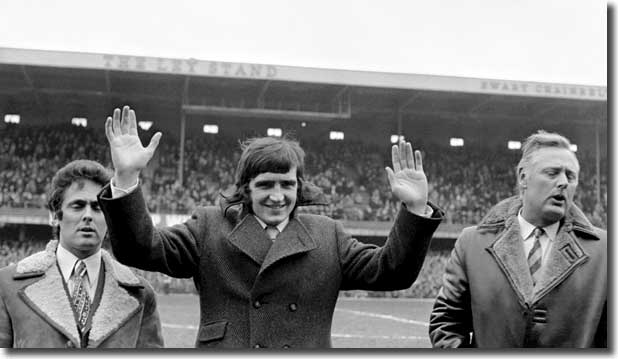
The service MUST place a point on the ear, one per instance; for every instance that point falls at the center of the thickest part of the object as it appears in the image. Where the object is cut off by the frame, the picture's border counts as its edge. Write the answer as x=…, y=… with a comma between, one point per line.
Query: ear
x=53, y=219
x=523, y=180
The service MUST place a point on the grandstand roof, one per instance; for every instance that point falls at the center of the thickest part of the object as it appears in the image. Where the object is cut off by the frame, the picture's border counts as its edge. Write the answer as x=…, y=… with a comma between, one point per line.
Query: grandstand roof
x=262, y=90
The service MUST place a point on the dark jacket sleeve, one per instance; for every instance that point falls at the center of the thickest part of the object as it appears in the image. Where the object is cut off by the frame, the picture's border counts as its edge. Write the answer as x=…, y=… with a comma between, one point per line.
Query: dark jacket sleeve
x=6, y=331
x=137, y=243
x=393, y=266
x=450, y=322
x=150, y=335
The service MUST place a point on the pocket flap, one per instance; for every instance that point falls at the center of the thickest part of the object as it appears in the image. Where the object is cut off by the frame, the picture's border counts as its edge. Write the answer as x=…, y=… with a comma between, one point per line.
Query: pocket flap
x=212, y=331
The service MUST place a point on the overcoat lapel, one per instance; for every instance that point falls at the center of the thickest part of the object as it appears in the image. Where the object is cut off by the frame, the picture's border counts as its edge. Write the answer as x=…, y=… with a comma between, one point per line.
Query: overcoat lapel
x=249, y=237
x=508, y=251
x=293, y=240
x=117, y=305
x=46, y=296
x=563, y=257
x=48, y=299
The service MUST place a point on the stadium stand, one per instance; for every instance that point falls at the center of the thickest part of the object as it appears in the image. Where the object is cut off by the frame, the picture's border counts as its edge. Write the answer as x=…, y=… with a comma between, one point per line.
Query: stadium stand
x=180, y=96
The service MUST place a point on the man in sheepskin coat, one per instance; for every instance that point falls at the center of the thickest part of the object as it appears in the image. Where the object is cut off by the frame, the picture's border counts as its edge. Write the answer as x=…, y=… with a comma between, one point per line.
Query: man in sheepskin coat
x=533, y=273
x=74, y=294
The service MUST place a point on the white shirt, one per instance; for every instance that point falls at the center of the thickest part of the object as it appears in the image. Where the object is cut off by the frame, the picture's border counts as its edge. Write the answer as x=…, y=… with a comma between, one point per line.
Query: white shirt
x=281, y=226
x=546, y=239
x=66, y=262
x=119, y=192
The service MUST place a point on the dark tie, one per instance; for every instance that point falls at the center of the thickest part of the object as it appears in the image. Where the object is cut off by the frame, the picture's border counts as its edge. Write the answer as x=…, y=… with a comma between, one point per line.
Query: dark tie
x=536, y=255
x=272, y=232
x=81, y=299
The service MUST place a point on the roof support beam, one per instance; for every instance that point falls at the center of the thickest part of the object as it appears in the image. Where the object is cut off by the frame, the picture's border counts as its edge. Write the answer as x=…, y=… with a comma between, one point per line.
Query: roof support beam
x=30, y=84
x=260, y=98
x=408, y=102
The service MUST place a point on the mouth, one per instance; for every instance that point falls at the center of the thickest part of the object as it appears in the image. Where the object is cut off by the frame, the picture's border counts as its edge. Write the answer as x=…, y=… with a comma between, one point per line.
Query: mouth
x=276, y=206
x=86, y=230
x=559, y=198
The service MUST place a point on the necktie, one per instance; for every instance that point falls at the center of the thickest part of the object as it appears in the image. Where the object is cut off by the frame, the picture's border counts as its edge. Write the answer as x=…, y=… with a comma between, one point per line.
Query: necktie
x=272, y=232
x=535, y=256
x=80, y=299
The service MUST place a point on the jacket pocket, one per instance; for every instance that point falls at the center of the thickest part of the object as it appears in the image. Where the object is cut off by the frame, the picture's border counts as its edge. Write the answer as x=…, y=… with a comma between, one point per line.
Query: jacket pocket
x=212, y=331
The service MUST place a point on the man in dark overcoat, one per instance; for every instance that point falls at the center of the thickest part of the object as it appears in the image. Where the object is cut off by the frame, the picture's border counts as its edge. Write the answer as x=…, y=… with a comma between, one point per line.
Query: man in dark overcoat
x=74, y=294
x=267, y=277
x=533, y=273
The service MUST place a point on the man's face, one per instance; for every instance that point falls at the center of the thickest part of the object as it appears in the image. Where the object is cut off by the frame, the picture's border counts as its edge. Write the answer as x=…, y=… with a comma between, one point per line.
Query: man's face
x=82, y=226
x=273, y=195
x=550, y=179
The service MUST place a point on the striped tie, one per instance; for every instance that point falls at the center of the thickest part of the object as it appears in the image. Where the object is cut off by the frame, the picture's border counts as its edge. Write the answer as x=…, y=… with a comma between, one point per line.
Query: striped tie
x=81, y=299
x=535, y=256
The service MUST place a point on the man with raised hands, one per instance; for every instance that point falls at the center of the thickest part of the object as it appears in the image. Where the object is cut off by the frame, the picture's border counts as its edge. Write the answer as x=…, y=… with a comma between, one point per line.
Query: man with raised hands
x=267, y=277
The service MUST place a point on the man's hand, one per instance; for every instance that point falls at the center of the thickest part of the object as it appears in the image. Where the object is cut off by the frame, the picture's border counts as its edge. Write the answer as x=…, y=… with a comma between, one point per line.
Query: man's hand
x=408, y=181
x=129, y=157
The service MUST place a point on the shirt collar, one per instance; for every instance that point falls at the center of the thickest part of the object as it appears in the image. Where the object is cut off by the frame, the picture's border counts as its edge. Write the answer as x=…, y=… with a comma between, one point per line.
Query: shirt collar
x=526, y=228
x=281, y=226
x=66, y=262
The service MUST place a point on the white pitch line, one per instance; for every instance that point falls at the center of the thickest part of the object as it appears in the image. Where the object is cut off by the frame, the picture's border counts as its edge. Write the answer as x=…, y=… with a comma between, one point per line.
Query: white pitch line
x=382, y=316
x=334, y=335
x=359, y=336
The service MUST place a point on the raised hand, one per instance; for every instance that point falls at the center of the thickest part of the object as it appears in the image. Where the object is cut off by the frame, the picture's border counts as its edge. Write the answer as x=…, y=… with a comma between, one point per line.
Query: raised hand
x=129, y=157
x=407, y=179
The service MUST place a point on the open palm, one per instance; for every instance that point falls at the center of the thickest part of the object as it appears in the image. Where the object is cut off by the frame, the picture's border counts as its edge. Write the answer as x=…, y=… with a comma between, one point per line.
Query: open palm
x=407, y=179
x=128, y=154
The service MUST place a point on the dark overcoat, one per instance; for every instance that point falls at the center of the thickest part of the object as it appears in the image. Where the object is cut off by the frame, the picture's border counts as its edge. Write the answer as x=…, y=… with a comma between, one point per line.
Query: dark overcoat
x=488, y=295
x=259, y=293
x=35, y=310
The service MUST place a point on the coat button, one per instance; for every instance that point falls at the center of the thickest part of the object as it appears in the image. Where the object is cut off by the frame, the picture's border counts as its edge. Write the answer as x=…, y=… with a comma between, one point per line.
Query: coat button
x=70, y=344
x=293, y=307
x=257, y=304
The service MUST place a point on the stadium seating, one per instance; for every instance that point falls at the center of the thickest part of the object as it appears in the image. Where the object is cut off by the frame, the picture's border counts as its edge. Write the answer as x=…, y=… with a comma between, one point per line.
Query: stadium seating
x=463, y=182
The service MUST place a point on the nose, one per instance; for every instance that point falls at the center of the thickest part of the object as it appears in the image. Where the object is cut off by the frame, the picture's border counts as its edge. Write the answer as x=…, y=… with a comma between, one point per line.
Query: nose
x=563, y=181
x=276, y=195
x=87, y=217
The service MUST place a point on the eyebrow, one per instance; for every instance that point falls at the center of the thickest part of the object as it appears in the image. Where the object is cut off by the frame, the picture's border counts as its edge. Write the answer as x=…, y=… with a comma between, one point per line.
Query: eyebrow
x=271, y=181
x=82, y=201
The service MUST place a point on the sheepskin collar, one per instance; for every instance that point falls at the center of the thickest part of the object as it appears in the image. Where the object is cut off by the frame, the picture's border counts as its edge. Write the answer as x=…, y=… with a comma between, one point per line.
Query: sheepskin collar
x=508, y=251
x=505, y=212
x=46, y=296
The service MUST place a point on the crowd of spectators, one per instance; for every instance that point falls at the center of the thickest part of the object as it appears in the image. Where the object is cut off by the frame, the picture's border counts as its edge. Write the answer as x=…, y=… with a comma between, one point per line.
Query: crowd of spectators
x=463, y=181
x=466, y=182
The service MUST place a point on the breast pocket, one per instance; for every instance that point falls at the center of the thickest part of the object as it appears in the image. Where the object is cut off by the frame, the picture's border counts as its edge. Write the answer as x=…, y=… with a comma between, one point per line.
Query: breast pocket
x=211, y=333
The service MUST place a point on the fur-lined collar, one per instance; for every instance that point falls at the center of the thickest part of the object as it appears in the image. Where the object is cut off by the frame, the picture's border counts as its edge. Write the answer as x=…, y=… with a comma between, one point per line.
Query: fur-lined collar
x=505, y=212
x=508, y=251
x=47, y=297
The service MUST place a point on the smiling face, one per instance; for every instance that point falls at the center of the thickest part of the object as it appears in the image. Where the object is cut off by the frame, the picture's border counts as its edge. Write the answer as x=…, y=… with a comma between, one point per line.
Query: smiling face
x=82, y=224
x=273, y=195
x=550, y=181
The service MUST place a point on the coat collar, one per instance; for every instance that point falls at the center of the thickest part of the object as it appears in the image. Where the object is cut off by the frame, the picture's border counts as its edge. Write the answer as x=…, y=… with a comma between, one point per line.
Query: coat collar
x=249, y=237
x=565, y=254
x=46, y=296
